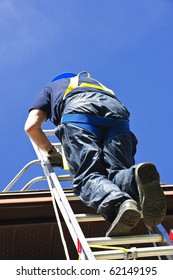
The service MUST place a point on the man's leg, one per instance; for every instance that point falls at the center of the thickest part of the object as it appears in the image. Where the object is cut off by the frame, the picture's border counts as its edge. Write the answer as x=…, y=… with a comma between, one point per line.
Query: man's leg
x=86, y=163
x=140, y=181
x=119, y=162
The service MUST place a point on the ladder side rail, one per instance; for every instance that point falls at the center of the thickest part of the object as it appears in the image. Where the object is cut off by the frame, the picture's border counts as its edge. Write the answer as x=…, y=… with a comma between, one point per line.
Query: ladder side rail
x=161, y=230
x=70, y=220
x=19, y=175
x=64, y=207
x=61, y=178
x=164, y=233
x=33, y=181
x=165, y=237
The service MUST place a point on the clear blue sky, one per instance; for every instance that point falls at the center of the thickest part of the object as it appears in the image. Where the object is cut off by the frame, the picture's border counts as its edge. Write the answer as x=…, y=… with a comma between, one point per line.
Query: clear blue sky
x=126, y=44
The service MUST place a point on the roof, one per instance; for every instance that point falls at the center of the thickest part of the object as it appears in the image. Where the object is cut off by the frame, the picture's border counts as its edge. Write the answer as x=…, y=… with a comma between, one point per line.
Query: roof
x=29, y=229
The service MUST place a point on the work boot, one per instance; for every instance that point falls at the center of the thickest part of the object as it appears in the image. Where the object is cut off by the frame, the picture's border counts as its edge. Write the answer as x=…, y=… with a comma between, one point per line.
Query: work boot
x=127, y=218
x=151, y=196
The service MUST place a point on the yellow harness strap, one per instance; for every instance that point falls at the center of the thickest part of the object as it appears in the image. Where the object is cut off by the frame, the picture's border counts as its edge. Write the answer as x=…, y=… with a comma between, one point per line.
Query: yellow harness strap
x=64, y=160
x=74, y=83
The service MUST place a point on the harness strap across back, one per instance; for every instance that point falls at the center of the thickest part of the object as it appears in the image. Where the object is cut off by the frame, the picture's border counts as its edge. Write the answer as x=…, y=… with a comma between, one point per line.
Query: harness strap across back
x=74, y=83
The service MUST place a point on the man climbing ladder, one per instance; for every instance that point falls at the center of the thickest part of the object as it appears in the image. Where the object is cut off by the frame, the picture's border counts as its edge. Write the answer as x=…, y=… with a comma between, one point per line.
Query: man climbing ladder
x=93, y=127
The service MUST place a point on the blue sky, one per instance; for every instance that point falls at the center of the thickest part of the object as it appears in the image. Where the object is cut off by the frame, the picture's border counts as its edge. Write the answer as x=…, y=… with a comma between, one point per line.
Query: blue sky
x=126, y=44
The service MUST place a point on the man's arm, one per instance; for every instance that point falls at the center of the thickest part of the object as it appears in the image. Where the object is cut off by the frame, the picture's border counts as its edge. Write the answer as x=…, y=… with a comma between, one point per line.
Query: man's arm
x=33, y=128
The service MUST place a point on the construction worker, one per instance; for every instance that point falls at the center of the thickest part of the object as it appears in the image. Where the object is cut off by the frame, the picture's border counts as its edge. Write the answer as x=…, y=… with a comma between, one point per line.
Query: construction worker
x=93, y=127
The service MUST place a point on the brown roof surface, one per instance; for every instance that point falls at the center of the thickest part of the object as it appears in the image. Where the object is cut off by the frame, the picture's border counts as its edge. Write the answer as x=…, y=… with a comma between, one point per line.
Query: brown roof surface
x=28, y=228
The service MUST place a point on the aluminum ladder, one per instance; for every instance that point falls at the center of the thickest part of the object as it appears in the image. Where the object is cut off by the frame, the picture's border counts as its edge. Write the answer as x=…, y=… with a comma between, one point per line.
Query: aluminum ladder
x=162, y=246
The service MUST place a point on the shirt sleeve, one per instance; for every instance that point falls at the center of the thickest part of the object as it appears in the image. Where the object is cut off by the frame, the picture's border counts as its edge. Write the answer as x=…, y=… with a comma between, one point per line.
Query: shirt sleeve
x=43, y=101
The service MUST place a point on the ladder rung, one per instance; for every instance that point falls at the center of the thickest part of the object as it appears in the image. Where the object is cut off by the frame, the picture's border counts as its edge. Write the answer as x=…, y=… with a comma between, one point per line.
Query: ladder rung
x=122, y=240
x=89, y=217
x=71, y=196
x=135, y=252
x=63, y=178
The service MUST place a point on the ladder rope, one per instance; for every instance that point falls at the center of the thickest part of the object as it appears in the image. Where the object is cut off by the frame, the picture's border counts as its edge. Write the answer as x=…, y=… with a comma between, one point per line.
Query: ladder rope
x=126, y=251
x=110, y=247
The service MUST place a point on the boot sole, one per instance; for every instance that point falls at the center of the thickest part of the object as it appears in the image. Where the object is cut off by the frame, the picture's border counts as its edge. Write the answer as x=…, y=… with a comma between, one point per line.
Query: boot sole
x=152, y=199
x=124, y=222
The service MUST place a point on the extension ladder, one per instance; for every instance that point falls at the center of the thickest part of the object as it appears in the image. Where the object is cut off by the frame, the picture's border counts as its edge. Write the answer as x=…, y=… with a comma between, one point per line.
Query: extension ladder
x=162, y=246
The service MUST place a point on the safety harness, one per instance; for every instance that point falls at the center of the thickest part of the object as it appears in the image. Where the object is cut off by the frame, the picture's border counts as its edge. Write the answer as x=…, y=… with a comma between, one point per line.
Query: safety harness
x=102, y=127
x=74, y=83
